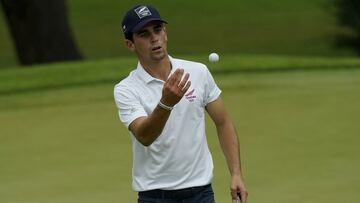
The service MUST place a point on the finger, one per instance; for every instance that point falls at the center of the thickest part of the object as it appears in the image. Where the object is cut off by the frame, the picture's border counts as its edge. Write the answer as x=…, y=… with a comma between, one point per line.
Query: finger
x=244, y=197
x=179, y=76
x=234, y=195
x=187, y=86
x=172, y=77
x=184, y=80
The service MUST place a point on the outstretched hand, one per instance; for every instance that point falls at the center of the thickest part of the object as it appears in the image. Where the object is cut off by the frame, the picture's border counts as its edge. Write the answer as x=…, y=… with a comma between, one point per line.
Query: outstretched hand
x=175, y=87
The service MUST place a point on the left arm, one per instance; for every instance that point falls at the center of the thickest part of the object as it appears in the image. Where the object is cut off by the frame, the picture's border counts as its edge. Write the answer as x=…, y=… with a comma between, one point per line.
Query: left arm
x=230, y=145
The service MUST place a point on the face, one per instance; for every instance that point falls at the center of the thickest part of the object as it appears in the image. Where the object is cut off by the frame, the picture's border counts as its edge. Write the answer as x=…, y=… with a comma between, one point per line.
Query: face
x=150, y=43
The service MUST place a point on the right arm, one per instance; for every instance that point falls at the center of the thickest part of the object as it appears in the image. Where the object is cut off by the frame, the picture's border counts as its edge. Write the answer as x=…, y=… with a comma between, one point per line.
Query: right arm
x=147, y=129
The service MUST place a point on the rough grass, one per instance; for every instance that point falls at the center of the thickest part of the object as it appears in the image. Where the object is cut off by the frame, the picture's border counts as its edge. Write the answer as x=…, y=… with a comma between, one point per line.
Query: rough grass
x=64, y=75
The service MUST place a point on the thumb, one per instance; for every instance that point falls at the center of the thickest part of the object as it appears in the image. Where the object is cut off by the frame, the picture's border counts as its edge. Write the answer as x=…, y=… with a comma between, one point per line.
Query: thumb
x=234, y=196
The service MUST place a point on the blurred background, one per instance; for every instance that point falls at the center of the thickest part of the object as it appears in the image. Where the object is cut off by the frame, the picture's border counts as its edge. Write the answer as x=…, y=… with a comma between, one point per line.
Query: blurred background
x=289, y=72
x=307, y=28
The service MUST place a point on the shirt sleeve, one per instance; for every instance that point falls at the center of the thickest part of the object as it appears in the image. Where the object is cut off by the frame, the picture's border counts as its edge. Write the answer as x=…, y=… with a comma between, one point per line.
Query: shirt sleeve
x=212, y=91
x=128, y=104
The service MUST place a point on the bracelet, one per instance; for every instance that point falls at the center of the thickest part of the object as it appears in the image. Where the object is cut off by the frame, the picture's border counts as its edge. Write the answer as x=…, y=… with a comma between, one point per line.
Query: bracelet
x=166, y=107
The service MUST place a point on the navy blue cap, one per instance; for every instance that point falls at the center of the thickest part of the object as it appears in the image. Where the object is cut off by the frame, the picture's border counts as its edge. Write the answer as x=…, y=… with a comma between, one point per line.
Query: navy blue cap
x=137, y=17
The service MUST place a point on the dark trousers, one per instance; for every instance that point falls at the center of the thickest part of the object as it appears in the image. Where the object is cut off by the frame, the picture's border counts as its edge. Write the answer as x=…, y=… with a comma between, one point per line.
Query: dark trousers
x=203, y=194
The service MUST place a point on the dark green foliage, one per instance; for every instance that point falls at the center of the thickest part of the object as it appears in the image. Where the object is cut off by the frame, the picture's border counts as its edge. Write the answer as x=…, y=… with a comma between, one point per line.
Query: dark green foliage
x=40, y=31
x=348, y=16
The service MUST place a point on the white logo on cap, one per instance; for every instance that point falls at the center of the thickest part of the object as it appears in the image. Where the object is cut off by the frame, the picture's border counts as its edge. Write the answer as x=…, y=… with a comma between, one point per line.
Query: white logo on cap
x=142, y=11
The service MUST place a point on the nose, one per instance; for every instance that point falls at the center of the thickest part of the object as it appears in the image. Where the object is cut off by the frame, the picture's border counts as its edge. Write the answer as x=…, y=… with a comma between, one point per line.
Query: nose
x=154, y=37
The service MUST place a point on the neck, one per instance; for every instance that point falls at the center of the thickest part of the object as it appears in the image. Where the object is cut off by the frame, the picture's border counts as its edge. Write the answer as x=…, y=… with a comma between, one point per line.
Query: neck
x=159, y=69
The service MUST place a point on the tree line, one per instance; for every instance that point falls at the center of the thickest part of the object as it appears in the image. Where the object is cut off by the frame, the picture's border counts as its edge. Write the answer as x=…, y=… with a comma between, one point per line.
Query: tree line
x=347, y=13
x=40, y=31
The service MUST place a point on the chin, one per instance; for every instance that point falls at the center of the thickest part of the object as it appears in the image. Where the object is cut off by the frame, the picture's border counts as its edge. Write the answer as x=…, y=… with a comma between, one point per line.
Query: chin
x=159, y=56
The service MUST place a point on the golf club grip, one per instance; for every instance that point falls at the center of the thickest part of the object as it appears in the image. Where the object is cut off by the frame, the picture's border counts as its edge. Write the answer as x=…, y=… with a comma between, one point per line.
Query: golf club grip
x=238, y=198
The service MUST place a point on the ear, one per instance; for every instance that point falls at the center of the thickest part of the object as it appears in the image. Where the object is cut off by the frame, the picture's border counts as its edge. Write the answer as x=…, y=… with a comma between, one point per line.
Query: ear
x=130, y=45
x=165, y=33
x=166, y=38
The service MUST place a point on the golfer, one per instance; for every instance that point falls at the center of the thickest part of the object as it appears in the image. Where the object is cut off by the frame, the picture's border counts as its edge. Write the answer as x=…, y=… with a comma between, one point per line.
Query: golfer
x=162, y=103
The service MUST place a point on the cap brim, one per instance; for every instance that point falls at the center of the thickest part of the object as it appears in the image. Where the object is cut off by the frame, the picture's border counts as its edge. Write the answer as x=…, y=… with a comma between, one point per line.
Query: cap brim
x=138, y=27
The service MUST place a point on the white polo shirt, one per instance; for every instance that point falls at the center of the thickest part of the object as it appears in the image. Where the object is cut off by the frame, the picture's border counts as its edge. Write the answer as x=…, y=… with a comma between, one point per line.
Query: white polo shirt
x=179, y=157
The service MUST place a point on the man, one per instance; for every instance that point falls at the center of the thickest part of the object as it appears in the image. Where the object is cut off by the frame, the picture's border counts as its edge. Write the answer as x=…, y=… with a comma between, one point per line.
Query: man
x=162, y=104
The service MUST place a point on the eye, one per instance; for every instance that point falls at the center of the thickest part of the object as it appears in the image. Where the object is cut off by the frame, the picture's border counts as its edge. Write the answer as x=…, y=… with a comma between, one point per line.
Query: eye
x=143, y=34
x=158, y=29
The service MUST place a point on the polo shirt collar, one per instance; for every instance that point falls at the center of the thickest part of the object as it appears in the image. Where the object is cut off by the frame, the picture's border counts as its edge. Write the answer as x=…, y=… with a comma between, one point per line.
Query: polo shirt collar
x=146, y=77
x=143, y=75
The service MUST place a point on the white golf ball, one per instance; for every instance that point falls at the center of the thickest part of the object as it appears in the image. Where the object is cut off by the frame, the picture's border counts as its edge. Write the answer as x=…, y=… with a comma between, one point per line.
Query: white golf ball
x=214, y=57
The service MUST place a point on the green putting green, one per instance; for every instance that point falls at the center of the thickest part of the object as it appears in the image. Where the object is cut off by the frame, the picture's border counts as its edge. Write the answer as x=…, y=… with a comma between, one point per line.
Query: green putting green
x=299, y=133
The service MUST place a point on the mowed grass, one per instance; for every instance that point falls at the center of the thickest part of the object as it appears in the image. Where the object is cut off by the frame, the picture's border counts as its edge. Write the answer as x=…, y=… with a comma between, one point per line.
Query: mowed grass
x=298, y=129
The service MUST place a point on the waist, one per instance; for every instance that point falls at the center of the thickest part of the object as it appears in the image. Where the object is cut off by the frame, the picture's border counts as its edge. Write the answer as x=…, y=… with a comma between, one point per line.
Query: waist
x=175, y=194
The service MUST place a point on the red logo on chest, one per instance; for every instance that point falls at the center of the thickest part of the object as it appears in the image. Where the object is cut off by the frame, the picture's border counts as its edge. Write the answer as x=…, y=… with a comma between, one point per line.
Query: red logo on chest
x=190, y=95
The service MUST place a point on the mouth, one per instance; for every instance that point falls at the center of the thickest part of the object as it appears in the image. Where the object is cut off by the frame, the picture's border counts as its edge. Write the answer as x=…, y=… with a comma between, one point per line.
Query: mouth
x=156, y=48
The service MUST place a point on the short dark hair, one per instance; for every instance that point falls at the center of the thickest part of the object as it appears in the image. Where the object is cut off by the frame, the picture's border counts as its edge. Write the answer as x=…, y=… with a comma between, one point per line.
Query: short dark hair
x=129, y=36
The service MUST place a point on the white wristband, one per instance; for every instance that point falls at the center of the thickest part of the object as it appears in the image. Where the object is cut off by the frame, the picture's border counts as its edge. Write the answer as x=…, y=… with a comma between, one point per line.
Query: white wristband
x=166, y=107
